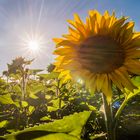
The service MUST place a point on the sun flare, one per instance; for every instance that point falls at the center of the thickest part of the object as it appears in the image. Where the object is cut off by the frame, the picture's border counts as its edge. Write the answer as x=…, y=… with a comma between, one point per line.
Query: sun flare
x=33, y=45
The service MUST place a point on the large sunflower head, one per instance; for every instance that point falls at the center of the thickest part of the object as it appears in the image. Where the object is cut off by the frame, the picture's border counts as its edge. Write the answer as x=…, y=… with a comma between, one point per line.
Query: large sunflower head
x=102, y=51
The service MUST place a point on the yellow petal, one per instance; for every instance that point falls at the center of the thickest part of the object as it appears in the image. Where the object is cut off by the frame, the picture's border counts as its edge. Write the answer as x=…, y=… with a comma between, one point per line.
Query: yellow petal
x=136, y=35
x=119, y=23
x=106, y=14
x=73, y=32
x=66, y=43
x=100, y=81
x=72, y=65
x=125, y=80
x=107, y=91
x=70, y=37
x=112, y=20
x=96, y=14
x=78, y=27
x=92, y=83
x=77, y=19
x=92, y=20
x=127, y=32
x=64, y=51
x=133, y=66
x=115, y=80
x=133, y=54
x=103, y=22
x=57, y=40
x=116, y=27
x=135, y=43
x=107, y=23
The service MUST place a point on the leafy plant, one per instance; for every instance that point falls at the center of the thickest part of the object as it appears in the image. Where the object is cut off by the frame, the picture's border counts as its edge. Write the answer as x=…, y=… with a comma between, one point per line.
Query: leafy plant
x=68, y=128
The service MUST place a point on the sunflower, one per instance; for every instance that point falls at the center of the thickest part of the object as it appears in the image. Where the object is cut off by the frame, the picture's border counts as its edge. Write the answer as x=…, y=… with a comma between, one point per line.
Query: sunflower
x=103, y=51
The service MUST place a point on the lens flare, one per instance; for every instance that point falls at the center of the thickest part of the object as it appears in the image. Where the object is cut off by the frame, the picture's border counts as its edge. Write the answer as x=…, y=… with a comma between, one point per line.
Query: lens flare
x=33, y=45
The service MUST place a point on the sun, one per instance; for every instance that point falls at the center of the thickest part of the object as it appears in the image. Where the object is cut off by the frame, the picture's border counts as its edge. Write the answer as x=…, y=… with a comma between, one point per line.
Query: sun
x=33, y=45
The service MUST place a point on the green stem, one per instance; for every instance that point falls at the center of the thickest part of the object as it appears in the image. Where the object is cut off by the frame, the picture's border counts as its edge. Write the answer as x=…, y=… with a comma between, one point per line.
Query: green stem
x=111, y=133
x=117, y=115
x=127, y=98
x=119, y=111
x=60, y=102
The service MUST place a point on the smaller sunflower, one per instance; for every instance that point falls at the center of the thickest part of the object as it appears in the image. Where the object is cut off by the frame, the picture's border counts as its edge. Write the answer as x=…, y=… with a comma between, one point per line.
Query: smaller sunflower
x=102, y=51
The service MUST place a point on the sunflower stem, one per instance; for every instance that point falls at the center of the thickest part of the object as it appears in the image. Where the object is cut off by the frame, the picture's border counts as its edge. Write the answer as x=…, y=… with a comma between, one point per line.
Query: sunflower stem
x=108, y=116
x=117, y=115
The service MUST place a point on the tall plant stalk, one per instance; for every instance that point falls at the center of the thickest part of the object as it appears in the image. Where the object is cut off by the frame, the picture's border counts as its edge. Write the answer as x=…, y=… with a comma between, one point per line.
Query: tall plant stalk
x=108, y=116
x=111, y=120
x=23, y=88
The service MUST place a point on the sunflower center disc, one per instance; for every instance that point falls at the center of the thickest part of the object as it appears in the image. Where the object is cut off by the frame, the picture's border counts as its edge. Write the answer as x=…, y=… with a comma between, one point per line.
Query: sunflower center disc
x=100, y=54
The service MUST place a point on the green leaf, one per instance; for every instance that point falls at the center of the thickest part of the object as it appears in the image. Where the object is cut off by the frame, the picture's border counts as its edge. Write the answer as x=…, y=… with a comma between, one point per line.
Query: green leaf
x=101, y=135
x=55, y=105
x=58, y=136
x=17, y=89
x=48, y=97
x=31, y=109
x=24, y=104
x=130, y=94
x=35, y=71
x=46, y=118
x=37, y=88
x=70, y=127
x=50, y=108
x=6, y=99
x=34, y=88
x=136, y=80
x=71, y=98
x=15, y=76
x=3, y=123
x=17, y=104
x=33, y=96
x=51, y=75
x=92, y=108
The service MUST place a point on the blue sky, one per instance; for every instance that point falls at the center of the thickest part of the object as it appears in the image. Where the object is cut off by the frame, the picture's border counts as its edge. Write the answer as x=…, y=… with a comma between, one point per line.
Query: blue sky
x=47, y=18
